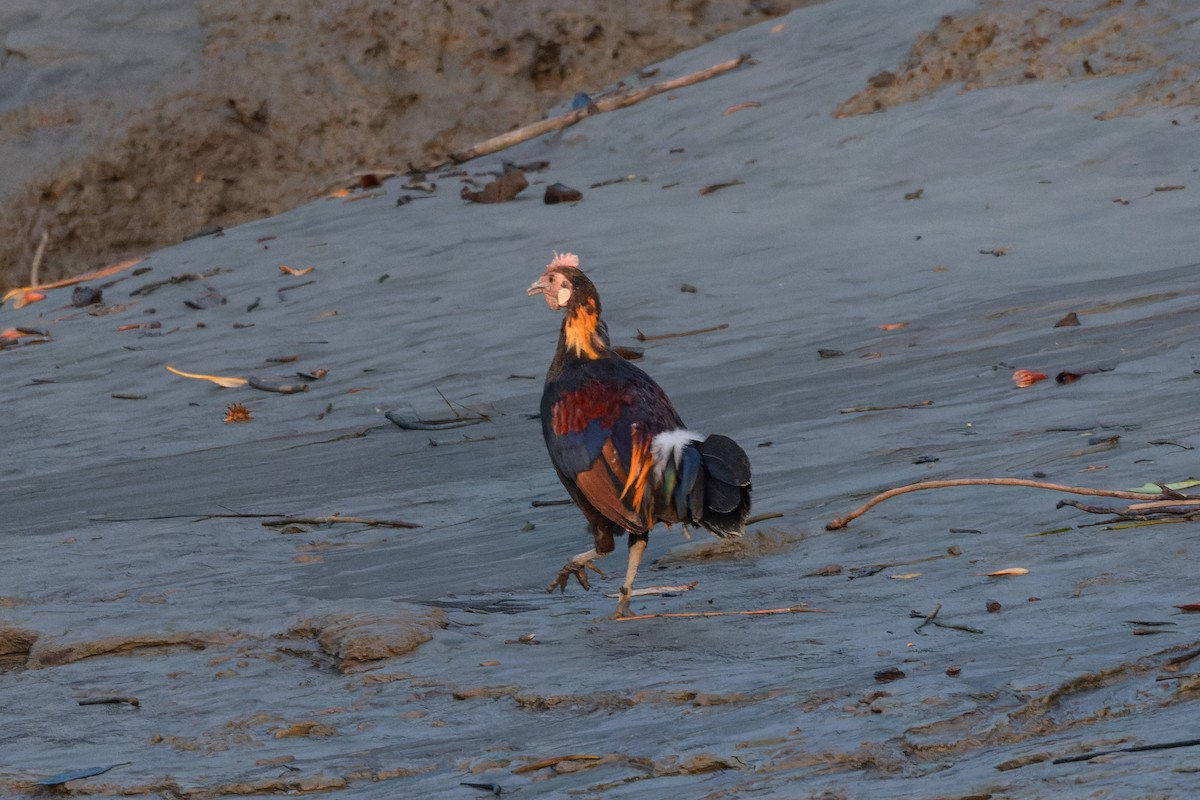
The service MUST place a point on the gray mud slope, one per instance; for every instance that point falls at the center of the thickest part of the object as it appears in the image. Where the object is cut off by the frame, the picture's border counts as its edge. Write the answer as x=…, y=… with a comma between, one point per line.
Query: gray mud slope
x=376, y=662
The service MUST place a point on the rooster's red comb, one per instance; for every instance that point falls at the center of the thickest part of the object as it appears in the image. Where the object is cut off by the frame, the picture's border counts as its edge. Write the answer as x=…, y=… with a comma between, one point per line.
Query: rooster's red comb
x=564, y=260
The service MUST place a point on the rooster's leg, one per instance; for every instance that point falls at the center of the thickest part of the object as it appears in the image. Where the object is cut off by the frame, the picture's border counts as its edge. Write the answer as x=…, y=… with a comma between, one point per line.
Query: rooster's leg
x=578, y=566
x=637, y=546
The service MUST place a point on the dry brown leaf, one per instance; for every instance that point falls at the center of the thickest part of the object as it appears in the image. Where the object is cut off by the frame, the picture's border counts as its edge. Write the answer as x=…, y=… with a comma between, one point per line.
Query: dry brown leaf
x=326, y=315
x=894, y=326
x=223, y=382
x=1002, y=572
x=294, y=271
x=906, y=576
x=1189, y=607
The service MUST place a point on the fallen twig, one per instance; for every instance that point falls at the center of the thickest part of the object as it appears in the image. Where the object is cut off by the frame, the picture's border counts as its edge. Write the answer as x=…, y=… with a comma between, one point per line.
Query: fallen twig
x=334, y=520
x=861, y=409
x=284, y=519
x=928, y=618
x=1178, y=661
x=654, y=591
x=96, y=701
x=611, y=103
x=37, y=258
x=931, y=619
x=412, y=424
x=1141, y=748
x=842, y=522
x=788, y=610
x=642, y=337
x=87, y=276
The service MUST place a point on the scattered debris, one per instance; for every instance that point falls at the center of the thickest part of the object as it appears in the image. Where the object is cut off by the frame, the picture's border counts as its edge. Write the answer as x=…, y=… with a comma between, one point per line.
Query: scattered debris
x=889, y=674
x=789, y=610
x=211, y=299
x=96, y=701
x=76, y=774
x=83, y=296
x=716, y=187
x=335, y=519
x=281, y=385
x=1137, y=749
x=742, y=107
x=504, y=188
x=560, y=193
x=642, y=337
x=1070, y=320
x=862, y=409
x=412, y=424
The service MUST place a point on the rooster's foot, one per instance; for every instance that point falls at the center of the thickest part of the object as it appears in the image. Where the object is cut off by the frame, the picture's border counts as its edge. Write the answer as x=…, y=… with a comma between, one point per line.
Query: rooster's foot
x=577, y=566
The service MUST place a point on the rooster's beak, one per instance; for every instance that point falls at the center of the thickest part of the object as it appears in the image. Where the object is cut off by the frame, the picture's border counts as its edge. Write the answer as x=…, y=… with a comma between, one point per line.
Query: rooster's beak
x=539, y=287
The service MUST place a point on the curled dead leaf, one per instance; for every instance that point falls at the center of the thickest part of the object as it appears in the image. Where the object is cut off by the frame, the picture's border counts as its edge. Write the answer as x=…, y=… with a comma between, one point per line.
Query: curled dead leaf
x=1002, y=572
x=907, y=576
x=1024, y=378
x=294, y=271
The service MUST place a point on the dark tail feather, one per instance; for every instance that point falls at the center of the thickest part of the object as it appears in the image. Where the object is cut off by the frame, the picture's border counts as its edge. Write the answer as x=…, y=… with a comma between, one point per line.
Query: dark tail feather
x=726, y=485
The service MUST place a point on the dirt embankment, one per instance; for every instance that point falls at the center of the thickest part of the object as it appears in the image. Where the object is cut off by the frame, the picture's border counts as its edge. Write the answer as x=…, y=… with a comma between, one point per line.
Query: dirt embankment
x=1007, y=44
x=127, y=130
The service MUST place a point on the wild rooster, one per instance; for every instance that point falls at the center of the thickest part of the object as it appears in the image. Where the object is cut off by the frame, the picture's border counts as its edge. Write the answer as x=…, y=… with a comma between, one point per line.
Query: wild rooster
x=618, y=445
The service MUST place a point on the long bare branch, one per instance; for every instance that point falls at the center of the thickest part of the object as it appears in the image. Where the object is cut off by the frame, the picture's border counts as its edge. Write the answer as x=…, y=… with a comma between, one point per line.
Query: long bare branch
x=611, y=103
x=842, y=522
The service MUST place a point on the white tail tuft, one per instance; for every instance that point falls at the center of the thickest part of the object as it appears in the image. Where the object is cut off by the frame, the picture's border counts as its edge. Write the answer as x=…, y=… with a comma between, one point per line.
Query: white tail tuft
x=668, y=446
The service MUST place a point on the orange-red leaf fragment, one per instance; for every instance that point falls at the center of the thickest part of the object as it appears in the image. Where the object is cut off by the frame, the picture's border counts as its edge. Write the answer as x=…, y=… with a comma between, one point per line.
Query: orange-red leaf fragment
x=28, y=296
x=894, y=326
x=294, y=271
x=1024, y=378
x=1190, y=608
